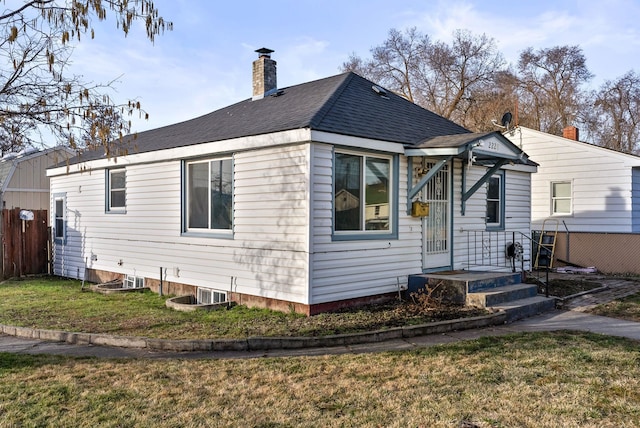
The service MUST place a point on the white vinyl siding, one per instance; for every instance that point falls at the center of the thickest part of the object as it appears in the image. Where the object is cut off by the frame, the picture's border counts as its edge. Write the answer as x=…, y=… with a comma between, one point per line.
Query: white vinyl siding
x=517, y=217
x=601, y=181
x=283, y=244
x=268, y=256
x=352, y=269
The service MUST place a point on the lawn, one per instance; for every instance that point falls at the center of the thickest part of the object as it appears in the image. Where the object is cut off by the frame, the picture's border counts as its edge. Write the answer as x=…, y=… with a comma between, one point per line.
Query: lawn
x=627, y=308
x=61, y=304
x=527, y=380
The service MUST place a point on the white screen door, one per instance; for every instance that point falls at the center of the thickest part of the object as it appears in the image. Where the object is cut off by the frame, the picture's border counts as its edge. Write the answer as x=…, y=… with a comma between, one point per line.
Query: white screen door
x=436, y=234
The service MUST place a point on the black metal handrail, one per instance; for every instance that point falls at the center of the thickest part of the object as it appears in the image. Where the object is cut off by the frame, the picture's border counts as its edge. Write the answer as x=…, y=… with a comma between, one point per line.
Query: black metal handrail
x=503, y=249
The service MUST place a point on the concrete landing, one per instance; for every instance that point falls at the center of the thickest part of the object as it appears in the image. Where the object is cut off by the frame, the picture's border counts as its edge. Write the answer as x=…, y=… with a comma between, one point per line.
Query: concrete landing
x=502, y=291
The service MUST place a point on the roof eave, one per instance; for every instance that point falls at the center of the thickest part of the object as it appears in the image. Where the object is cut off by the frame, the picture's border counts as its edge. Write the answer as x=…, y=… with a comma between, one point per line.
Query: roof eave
x=435, y=152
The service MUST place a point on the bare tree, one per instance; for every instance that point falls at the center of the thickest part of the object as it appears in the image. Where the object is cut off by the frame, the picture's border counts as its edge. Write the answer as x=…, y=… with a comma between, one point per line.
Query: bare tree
x=490, y=100
x=38, y=95
x=467, y=81
x=551, y=94
x=615, y=117
x=450, y=80
x=460, y=75
x=393, y=63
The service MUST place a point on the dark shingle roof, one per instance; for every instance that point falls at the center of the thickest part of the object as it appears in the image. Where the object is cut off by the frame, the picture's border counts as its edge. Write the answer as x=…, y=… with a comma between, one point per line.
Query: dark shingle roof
x=343, y=104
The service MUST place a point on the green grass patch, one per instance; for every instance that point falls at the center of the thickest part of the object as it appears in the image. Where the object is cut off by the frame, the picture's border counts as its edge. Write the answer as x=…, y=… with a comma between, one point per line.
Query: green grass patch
x=61, y=304
x=524, y=380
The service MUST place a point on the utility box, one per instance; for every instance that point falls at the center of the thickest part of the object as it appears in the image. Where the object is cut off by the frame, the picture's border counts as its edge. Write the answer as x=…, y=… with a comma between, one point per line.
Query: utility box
x=419, y=209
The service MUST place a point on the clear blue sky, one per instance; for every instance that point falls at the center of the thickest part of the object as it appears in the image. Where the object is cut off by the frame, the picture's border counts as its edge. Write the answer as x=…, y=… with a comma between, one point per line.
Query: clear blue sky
x=205, y=63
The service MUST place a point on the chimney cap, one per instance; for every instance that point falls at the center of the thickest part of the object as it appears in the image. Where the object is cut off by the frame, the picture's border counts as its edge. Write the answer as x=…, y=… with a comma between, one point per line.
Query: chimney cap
x=264, y=52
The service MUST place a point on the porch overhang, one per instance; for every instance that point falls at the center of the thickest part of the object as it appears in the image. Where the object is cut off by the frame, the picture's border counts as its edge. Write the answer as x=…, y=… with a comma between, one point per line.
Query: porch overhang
x=482, y=148
x=490, y=149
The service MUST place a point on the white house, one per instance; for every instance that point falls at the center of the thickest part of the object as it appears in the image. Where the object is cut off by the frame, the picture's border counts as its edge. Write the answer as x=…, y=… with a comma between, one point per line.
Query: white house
x=297, y=198
x=586, y=187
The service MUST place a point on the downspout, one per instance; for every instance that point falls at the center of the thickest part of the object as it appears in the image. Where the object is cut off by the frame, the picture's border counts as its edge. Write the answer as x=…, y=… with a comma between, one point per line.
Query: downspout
x=568, y=237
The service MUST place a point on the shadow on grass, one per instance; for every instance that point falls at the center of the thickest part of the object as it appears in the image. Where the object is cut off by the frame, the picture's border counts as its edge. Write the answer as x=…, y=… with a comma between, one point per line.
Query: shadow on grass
x=10, y=362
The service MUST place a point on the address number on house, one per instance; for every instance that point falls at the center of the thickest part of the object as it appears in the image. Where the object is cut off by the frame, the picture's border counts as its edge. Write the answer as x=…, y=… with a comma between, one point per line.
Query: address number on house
x=493, y=145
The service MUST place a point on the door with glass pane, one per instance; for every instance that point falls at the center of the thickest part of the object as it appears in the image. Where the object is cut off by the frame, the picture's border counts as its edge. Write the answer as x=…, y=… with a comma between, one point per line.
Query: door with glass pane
x=436, y=240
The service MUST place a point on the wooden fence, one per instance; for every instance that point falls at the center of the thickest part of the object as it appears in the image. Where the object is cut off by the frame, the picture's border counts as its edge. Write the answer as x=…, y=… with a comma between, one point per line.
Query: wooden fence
x=25, y=243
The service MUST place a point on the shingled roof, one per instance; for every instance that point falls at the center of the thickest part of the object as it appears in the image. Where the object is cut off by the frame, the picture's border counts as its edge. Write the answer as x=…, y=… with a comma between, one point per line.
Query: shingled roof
x=345, y=104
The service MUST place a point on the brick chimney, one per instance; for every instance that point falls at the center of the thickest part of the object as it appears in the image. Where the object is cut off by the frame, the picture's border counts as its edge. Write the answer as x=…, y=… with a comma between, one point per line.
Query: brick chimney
x=571, y=132
x=264, y=74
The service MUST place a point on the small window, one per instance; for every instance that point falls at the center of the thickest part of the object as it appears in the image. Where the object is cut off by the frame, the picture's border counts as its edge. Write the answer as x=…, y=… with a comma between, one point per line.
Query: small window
x=116, y=190
x=495, y=201
x=132, y=281
x=209, y=195
x=207, y=296
x=561, y=198
x=362, y=193
x=60, y=218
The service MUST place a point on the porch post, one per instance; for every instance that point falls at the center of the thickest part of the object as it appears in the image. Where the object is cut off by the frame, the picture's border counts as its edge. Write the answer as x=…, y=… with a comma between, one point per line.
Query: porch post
x=466, y=195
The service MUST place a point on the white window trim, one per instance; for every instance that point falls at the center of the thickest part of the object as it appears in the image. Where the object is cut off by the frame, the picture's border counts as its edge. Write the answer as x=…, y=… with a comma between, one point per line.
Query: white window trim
x=552, y=199
x=109, y=189
x=363, y=233
x=223, y=233
x=133, y=281
x=211, y=296
x=62, y=239
x=499, y=225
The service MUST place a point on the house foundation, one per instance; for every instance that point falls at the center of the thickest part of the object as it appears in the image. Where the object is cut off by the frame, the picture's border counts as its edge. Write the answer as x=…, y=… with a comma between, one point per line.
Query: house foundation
x=179, y=289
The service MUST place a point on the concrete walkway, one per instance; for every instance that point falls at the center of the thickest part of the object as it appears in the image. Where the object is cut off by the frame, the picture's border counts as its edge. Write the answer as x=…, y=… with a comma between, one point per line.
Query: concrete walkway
x=550, y=321
x=612, y=289
x=573, y=319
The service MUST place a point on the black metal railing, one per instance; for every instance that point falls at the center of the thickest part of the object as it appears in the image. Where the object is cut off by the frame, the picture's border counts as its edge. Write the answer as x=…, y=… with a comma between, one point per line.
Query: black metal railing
x=501, y=250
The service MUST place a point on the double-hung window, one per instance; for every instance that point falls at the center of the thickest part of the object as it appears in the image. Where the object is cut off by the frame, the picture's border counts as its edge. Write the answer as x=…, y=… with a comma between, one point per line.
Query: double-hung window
x=209, y=195
x=60, y=218
x=561, y=198
x=495, y=201
x=116, y=190
x=363, y=194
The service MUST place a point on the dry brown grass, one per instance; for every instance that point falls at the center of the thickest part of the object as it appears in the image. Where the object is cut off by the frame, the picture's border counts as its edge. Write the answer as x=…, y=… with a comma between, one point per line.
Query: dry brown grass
x=532, y=380
x=627, y=308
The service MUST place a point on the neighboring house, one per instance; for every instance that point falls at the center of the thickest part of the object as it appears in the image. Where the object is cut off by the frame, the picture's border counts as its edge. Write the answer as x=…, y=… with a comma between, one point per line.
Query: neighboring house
x=24, y=185
x=23, y=178
x=590, y=192
x=299, y=198
x=589, y=188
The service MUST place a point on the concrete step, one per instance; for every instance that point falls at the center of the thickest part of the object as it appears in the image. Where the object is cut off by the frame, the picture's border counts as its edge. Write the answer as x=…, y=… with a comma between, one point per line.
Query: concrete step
x=500, y=295
x=523, y=308
x=493, y=280
x=462, y=282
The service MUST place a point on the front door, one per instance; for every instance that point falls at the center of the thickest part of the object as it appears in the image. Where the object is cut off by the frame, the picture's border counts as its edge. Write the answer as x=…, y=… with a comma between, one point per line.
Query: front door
x=436, y=233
